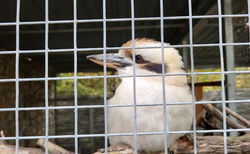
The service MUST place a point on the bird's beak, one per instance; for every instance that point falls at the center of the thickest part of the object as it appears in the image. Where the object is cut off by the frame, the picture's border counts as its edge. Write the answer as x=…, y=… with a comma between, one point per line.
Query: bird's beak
x=112, y=60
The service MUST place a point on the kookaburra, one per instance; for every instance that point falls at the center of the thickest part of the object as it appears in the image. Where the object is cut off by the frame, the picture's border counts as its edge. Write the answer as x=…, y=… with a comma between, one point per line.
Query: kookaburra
x=149, y=90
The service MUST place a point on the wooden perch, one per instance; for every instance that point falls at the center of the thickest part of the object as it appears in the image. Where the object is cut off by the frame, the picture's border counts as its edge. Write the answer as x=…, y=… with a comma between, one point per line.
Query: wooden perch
x=52, y=148
x=205, y=145
x=6, y=148
x=214, y=145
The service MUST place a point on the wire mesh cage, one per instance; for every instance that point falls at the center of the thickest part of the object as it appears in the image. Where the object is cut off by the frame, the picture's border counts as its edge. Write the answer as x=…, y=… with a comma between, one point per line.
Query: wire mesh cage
x=49, y=90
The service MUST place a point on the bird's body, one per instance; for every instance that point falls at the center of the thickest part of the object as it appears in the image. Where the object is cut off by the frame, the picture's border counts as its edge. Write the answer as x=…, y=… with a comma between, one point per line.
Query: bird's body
x=149, y=90
x=149, y=118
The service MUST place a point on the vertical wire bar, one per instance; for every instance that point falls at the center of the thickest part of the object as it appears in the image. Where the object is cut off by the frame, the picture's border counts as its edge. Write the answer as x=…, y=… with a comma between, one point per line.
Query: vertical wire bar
x=105, y=76
x=46, y=74
x=163, y=79
x=192, y=70
x=248, y=7
x=17, y=74
x=134, y=75
x=75, y=76
x=222, y=77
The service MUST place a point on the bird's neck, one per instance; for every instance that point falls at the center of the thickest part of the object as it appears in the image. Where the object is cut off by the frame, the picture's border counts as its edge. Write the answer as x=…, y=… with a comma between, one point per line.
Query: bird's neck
x=178, y=81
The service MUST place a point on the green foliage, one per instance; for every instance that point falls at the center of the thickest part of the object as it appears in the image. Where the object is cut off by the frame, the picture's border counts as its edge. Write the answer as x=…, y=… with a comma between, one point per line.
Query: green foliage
x=95, y=86
x=90, y=87
x=241, y=80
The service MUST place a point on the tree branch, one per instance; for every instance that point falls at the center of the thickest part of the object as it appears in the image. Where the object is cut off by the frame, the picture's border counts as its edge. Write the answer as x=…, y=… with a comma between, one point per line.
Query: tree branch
x=237, y=116
x=218, y=114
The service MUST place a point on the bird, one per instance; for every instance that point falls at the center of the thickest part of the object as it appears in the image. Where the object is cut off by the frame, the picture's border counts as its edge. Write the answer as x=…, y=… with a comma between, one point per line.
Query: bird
x=148, y=90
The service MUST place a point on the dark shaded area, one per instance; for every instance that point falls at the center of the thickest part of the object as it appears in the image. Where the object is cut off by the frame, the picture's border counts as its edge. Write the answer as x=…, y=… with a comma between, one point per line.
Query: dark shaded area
x=90, y=34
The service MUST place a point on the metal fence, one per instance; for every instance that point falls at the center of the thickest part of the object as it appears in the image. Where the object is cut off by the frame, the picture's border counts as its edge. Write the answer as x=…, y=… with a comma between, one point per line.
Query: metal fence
x=223, y=47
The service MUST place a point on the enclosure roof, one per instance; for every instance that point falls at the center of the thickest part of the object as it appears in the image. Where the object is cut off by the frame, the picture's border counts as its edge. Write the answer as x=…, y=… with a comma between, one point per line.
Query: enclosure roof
x=89, y=34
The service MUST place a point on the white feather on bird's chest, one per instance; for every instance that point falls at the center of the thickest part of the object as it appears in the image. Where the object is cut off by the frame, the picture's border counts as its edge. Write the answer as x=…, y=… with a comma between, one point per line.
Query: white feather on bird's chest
x=149, y=118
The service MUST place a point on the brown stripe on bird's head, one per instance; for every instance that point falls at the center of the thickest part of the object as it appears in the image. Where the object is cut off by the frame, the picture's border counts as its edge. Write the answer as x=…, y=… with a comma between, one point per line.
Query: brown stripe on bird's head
x=154, y=67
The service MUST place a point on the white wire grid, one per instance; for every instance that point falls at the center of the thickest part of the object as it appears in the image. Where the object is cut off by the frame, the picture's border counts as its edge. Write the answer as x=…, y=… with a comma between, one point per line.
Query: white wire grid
x=47, y=22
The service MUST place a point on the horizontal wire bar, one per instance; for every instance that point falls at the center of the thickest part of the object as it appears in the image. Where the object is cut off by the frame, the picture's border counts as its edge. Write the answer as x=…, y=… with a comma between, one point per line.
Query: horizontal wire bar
x=121, y=105
x=120, y=19
x=121, y=76
x=118, y=48
x=227, y=101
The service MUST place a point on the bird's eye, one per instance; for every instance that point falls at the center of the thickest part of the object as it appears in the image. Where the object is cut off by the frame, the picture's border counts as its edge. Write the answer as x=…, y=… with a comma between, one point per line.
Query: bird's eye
x=139, y=59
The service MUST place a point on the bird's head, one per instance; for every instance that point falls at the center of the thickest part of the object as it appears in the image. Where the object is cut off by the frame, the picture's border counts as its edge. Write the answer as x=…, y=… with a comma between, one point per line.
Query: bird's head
x=147, y=60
